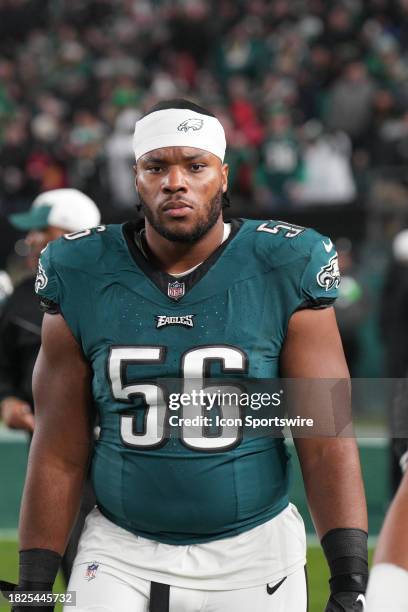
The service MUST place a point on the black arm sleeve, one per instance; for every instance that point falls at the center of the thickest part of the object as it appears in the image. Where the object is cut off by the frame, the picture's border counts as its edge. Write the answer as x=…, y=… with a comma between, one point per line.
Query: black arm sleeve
x=49, y=306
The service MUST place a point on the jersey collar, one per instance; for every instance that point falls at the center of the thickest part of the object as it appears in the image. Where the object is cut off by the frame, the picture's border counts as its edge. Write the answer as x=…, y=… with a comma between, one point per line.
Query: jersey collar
x=175, y=289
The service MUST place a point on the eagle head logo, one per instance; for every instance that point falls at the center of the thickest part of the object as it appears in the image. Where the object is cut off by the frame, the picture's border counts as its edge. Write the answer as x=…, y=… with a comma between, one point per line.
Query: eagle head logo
x=329, y=275
x=41, y=280
x=190, y=124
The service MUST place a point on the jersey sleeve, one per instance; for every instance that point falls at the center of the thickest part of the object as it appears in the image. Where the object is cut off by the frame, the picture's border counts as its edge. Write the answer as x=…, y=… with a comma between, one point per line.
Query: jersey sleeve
x=46, y=283
x=321, y=277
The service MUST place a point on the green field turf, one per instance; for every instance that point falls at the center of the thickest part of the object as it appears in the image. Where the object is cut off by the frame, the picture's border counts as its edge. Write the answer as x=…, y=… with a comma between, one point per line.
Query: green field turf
x=317, y=573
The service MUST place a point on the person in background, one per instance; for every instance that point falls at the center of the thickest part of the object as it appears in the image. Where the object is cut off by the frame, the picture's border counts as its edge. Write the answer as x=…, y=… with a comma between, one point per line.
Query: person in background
x=280, y=172
x=394, y=301
x=52, y=214
x=119, y=156
x=388, y=584
x=394, y=330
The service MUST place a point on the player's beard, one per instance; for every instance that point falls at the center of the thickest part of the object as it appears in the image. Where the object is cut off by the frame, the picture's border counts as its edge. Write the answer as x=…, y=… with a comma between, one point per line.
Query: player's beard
x=206, y=220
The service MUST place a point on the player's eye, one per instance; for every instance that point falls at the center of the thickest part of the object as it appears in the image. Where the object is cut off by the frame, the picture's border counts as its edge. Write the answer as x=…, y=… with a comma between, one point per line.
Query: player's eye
x=197, y=167
x=154, y=169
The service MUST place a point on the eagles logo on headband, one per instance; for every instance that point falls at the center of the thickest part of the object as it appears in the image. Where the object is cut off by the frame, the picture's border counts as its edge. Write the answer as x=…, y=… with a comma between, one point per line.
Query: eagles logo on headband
x=179, y=127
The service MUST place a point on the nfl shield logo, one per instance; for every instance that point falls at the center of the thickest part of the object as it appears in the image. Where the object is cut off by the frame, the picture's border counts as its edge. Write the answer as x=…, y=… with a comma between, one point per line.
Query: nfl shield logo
x=90, y=573
x=176, y=290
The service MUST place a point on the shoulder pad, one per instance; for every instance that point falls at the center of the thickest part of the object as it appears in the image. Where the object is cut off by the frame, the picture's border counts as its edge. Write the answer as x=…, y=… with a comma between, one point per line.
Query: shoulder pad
x=310, y=257
x=71, y=249
x=280, y=243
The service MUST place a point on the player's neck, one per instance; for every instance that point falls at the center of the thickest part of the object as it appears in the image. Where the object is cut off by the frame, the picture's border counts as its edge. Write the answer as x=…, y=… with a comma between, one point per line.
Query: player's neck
x=174, y=257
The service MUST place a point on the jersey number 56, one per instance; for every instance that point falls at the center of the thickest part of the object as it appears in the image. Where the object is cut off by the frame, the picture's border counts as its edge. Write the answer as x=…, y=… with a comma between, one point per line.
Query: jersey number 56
x=194, y=363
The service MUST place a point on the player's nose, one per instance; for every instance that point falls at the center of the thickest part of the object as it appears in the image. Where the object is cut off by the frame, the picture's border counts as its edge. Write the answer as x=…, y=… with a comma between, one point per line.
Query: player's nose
x=174, y=180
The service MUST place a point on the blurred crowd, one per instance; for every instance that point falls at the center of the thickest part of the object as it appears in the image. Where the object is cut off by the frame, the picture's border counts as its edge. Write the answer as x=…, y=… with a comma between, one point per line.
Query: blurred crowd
x=313, y=95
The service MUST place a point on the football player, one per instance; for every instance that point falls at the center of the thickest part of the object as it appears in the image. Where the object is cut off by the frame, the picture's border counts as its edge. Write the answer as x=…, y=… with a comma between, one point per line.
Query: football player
x=186, y=520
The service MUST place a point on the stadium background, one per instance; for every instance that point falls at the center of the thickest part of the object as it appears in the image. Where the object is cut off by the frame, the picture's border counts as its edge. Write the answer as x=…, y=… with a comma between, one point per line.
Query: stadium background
x=314, y=100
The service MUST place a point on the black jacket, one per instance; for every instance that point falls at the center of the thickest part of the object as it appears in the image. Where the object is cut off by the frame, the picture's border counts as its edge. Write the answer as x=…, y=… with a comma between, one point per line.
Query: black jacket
x=20, y=339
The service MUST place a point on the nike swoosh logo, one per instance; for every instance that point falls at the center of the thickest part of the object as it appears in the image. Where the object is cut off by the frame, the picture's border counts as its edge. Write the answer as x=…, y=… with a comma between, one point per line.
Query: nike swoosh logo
x=328, y=247
x=271, y=590
x=362, y=600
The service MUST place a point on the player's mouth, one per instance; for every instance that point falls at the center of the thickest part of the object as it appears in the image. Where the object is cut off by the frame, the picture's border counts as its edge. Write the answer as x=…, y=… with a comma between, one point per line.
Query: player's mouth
x=177, y=208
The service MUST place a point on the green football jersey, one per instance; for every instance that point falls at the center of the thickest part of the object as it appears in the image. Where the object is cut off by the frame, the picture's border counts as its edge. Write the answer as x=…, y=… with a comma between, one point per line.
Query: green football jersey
x=138, y=326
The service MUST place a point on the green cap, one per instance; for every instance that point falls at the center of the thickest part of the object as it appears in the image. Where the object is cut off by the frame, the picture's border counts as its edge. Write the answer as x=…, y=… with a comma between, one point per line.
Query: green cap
x=68, y=209
x=34, y=219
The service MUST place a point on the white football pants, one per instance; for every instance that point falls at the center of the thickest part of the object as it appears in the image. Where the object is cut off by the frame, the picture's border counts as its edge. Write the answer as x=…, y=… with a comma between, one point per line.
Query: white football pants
x=110, y=593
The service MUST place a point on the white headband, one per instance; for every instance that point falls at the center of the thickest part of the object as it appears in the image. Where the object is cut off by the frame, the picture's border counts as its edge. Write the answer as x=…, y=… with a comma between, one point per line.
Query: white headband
x=179, y=127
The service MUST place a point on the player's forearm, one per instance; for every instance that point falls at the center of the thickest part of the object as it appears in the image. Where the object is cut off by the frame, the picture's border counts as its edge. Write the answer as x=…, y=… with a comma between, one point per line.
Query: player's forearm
x=393, y=541
x=50, y=501
x=333, y=482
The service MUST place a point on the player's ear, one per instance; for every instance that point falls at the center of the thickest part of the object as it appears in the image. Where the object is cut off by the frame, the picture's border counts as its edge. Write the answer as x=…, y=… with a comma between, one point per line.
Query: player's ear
x=224, y=177
x=135, y=171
